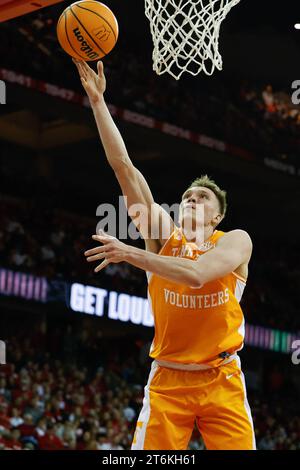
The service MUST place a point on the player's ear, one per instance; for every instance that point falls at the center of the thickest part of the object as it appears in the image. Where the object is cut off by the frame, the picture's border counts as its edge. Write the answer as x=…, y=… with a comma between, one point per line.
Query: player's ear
x=217, y=219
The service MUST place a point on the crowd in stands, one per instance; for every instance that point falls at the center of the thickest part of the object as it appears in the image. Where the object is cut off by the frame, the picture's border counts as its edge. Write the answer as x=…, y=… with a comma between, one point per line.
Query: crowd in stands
x=252, y=116
x=48, y=403
x=69, y=389
x=274, y=113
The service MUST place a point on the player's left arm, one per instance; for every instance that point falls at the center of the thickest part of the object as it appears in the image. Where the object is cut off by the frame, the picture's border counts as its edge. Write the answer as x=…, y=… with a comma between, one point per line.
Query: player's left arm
x=231, y=251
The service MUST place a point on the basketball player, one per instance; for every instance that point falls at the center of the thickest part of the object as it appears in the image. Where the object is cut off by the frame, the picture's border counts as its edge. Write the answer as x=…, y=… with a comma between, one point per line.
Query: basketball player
x=194, y=293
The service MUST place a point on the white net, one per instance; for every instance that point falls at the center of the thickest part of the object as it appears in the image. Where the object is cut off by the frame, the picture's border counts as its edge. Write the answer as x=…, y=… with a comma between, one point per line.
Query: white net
x=185, y=34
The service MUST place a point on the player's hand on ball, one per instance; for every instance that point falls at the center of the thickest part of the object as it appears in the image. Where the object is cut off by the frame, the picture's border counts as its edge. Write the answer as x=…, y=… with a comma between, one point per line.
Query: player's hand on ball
x=94, y=84
x=111, y=251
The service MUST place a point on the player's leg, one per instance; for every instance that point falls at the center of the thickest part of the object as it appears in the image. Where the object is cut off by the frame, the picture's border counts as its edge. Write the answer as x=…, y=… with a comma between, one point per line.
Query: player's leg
x=225, y=420
x=166, y=421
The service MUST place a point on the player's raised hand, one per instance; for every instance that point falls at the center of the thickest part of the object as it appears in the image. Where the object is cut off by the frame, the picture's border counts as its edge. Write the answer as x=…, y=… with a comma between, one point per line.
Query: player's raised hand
x=111, y=251
x=93, y=83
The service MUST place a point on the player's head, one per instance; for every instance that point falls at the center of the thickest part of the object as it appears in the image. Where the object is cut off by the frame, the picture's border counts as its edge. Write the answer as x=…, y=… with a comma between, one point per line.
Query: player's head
x=203, y=202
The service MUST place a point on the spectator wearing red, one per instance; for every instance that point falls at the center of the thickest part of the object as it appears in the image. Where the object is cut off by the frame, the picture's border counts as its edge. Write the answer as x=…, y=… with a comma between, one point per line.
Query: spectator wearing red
x=4, y=418
x=50, y=441
x=27, y=429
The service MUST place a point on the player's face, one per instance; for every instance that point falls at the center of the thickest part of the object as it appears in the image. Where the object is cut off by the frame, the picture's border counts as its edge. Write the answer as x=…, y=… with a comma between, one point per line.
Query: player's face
x=200, y=205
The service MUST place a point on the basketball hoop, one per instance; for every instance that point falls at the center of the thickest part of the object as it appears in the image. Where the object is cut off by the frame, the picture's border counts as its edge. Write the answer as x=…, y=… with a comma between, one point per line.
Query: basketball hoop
x=185, y=34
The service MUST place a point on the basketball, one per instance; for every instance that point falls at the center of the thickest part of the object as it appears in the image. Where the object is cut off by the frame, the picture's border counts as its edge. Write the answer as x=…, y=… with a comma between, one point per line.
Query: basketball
x=87, y=30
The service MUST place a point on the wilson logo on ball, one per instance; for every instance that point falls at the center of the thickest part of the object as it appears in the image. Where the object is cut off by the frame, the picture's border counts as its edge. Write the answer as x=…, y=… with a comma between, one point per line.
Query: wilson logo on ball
x=87, y=30
x=102, y=33
x=85, y=46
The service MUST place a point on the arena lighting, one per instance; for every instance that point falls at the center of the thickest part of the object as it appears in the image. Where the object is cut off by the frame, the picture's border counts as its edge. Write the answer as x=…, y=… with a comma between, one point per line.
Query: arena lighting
x=297, y=26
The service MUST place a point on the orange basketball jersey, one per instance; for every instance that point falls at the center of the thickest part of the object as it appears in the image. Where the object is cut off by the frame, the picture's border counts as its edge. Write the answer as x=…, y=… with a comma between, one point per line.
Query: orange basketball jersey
x=195, y=325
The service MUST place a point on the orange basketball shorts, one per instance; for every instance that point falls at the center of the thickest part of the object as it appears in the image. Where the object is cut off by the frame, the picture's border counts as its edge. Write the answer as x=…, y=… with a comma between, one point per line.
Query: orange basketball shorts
x=215, y=398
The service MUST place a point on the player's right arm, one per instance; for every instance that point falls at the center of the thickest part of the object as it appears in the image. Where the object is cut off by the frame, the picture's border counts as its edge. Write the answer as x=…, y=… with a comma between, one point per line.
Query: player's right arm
x=131, y=180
